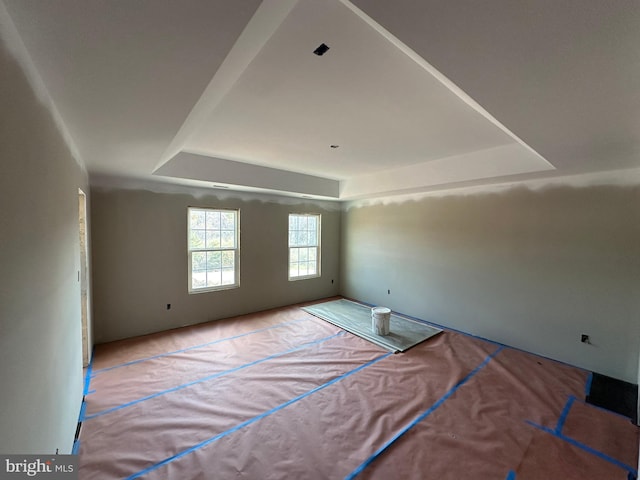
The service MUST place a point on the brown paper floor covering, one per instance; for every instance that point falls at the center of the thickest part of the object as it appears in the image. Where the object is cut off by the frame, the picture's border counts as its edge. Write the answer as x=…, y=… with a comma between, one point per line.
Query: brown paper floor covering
x=283, y=395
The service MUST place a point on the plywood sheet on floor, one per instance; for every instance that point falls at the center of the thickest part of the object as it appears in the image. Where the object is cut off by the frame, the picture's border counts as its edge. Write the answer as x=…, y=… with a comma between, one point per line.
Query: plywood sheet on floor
x=356, y=318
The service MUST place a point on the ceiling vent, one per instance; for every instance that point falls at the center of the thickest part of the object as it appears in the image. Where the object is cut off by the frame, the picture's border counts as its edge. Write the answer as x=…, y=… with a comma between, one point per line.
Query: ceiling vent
x=321, y=50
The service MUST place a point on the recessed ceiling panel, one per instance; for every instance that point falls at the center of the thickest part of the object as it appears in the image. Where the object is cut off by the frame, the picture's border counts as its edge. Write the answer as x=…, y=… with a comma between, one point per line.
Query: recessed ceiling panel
x=366, y=96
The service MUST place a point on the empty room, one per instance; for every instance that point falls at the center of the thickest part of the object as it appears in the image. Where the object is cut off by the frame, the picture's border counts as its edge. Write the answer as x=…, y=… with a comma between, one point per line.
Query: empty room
x=320, y=239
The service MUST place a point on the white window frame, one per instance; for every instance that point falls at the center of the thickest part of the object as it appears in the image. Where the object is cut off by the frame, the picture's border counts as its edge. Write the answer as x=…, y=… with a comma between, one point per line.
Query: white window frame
x=295, y=247
x=212, y=248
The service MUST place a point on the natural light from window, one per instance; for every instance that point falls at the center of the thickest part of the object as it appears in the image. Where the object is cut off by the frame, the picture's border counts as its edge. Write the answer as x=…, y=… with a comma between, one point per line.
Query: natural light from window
x=214, y=249
x=304, y=246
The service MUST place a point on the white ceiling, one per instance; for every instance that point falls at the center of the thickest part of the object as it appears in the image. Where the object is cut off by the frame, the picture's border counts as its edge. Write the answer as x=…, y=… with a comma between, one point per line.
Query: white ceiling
x=418, y=95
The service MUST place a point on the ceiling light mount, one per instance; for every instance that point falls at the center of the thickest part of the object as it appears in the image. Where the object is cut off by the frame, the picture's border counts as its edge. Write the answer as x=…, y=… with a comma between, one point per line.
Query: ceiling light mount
x=321, y=50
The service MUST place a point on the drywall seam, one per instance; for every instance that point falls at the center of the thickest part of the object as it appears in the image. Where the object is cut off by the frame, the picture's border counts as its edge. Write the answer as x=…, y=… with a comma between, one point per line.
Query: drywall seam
x=626, y=177
x=106, y=183
x=16, y=47
x=201, y=167
x=479, y=165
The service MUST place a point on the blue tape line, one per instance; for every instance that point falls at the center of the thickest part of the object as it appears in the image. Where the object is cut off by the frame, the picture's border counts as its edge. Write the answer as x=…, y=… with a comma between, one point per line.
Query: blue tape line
x=422, y=416
x=494, y=342
x=90, y=392
x=76, y=447
x=610, y=412
x=587, y=387
x=564, y=414
x=211, y=377
x=83, y=412
x=584, y=447
x=87, y=378
x=133, y=362
x=256, y=418
x=85, y=390
x=511, y=475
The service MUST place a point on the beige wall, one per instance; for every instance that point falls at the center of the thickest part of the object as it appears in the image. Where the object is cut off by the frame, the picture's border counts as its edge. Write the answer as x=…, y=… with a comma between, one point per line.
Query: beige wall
x=532, y=269
x=140, y=260
x=40, y=326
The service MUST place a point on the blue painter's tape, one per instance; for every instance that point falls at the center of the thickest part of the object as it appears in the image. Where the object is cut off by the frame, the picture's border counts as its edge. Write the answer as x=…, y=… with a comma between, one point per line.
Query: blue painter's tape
x=586, y=448
x=444, y=327
x=422, y=416
x=83, y=411
x=587, y=387
x=87, y=378
x=602, y=409
x=211, y=377
x=160, y=355
x=511, y=475
x=90, y=392
x=256, y=418
x=76, y=447
x=564, y=414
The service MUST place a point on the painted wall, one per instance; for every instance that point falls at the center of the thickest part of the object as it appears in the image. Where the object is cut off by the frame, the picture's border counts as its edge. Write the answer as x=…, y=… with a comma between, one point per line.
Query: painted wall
x=530, y=268
x=140, y=259
x=40, y=326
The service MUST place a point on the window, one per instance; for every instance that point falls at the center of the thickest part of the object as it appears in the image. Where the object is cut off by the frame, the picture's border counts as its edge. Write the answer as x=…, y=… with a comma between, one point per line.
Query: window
x=214, y=251
x=304, y=246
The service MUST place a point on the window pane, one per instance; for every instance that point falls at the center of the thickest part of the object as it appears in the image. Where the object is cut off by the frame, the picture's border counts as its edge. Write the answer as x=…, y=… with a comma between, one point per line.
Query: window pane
x=293, y=255
x=213, y=278
x=304, y=237
x=228, y=221
x=198, y=261
x=214, y=260
x=196, y=239
x=228, y=276
x=228, y=259
x=227, y=239
x=313, y=237
x=196, y=218
x=311, y=270
x=213, y=239
x=313, y=224
x=302, y=269
x=198, y=280
x=211, y=261
x=213, y=220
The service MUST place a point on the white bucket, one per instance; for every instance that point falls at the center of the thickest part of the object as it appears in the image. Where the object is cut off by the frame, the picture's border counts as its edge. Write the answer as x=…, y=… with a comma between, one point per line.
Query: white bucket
x=380, y=320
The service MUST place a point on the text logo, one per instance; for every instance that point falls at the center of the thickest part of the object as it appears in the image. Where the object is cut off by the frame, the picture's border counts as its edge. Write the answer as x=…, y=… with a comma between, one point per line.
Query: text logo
x=51, y=467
